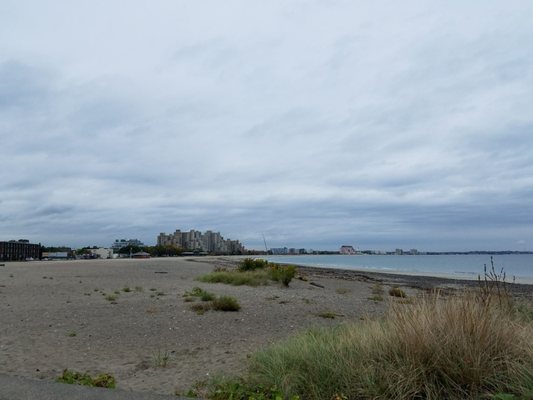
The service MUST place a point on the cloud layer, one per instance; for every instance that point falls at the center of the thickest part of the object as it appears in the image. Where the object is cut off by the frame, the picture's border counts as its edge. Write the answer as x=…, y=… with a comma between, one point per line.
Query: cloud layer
x=315, y=123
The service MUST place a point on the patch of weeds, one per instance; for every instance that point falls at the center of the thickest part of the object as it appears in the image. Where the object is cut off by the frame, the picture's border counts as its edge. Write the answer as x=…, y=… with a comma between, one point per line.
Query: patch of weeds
x=376, y=297
x=160, y=294
x=72, y=334
x=272, y=298
x=226, y=303
x=160, y=358
x=396, y=291
x=139, y=289
x=86, y=294
x=188, y=299
x=153, y=289
x=200, y=308
x=95, y=290
x=342, y=290
x=126, y=289
x=152, y=295
x=117, y=292
x=78, y=378
x=235, y=388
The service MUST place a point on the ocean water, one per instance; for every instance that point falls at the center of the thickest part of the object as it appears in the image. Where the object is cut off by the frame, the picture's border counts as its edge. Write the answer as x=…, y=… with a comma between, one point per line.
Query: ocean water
x=459, y=266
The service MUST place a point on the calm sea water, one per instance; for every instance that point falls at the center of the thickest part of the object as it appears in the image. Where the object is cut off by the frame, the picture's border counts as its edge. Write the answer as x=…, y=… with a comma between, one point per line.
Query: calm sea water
x=467, y=266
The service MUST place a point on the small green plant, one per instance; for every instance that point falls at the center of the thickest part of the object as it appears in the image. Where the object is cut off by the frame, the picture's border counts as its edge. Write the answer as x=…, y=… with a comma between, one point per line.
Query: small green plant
x=117, y=292
x=161, y=293
x=226, y=303
x=71, y=334
x=160, y=358
x=376, y=297
x=396, y=291
x=78, y=378
x=200, y=308
x=198, y=292
x=126, y=289
x=153, y=289
x=111, y=297
x=207, y=296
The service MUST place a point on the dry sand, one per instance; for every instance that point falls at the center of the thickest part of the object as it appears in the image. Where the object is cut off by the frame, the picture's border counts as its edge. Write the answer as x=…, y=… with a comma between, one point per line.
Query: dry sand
x=54, y=315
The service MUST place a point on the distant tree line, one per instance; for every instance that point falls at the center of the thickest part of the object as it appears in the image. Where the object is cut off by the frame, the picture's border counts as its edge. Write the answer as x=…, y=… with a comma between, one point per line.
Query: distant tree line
x=154, y=251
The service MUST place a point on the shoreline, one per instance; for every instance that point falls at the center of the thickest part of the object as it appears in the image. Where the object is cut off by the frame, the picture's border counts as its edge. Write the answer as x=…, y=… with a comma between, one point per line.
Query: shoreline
x=423, y=281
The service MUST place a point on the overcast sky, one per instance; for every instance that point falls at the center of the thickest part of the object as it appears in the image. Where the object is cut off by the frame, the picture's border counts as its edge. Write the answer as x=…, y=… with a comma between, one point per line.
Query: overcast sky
x=379, y=124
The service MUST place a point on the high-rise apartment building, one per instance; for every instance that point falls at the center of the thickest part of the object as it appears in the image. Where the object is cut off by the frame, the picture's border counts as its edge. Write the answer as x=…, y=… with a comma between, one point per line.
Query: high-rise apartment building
x=209, y=241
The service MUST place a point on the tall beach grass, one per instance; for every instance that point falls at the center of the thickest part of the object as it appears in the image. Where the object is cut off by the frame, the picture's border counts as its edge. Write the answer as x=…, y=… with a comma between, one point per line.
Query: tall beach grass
x=460, y=347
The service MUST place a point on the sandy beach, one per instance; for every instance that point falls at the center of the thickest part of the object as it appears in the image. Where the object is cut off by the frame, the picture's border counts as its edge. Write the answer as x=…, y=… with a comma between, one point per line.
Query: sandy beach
x=57, y=315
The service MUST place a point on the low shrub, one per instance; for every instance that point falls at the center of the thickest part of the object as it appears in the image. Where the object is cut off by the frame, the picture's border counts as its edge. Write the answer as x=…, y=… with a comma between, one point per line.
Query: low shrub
x=78, y=378
x=282, y=273
x=226, y=303
x=250, y=264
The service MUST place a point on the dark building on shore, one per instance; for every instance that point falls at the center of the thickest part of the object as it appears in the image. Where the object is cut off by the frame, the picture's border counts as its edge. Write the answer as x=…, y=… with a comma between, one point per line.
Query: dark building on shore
x=19, y=250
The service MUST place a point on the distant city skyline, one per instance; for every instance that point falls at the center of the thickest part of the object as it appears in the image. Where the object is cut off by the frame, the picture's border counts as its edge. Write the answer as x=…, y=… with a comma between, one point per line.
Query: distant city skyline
x=316, y=124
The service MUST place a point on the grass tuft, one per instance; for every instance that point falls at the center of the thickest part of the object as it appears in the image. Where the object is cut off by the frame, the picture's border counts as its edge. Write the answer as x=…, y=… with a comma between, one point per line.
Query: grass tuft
x=396, y=291
x=236, y=278
x=226, y=303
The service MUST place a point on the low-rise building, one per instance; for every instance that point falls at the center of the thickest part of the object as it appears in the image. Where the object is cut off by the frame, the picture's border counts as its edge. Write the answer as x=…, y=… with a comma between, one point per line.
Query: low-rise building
x=19, y=250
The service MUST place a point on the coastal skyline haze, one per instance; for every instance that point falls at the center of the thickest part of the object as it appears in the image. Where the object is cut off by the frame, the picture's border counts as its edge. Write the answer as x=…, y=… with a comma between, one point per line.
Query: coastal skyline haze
x=314, y=123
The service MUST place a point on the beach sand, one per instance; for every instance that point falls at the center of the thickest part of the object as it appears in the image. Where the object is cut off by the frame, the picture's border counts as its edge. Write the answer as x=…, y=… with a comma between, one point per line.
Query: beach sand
x=55, y=315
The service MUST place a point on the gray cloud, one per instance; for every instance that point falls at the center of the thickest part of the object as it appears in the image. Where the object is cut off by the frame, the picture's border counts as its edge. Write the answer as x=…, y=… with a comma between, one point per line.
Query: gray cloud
x=315, y=123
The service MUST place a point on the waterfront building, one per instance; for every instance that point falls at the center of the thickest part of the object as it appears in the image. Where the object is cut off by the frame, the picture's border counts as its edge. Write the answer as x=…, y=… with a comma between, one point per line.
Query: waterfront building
x=347, y=250
x=208, y=242
x=19, y=250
